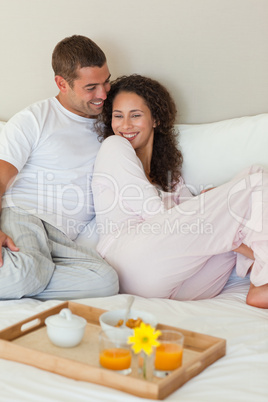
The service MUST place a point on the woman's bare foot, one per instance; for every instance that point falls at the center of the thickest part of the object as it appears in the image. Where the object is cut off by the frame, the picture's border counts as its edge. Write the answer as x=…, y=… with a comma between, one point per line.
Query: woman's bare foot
x=258, y=296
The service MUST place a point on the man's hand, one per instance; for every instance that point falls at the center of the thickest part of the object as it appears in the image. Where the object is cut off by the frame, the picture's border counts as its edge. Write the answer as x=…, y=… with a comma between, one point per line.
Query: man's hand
x=6, y=241
x=7, y=176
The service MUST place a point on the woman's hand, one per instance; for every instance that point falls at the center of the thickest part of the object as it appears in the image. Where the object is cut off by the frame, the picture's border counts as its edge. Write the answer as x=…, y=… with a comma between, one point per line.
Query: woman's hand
x=245, y=250
x=208, y=189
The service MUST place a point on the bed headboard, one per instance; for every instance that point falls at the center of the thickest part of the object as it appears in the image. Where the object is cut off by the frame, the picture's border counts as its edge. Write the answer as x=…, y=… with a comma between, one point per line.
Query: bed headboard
x=211, y=54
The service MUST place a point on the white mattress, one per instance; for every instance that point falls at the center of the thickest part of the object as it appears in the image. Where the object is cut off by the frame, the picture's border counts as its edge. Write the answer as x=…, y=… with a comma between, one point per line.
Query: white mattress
x=242, y=375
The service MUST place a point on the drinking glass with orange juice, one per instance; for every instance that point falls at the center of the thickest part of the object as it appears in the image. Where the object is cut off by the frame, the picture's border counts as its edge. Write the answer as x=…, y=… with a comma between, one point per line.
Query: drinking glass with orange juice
x=168, y=355
x=114, y=352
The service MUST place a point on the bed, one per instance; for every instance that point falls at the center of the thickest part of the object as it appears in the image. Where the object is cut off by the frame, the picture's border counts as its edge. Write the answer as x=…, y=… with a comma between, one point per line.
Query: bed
x=241, y=375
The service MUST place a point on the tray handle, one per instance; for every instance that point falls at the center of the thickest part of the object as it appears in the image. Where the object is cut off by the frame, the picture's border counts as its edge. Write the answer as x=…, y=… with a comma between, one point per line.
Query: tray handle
x=30, y=324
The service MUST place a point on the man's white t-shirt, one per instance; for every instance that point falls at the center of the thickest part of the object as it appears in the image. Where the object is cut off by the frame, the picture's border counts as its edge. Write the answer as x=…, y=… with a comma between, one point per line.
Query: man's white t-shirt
x=54, y=151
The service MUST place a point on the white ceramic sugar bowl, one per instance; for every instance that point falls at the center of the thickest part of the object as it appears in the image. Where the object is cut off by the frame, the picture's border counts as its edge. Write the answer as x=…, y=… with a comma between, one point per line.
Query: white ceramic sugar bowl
x=65, y=329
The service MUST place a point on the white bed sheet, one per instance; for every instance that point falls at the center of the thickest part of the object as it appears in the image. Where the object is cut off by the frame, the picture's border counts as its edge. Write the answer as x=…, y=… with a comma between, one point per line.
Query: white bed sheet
x=242, y=375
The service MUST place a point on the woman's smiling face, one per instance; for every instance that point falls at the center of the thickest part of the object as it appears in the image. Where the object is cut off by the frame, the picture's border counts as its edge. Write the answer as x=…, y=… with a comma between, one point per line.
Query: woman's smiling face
x=132, y=119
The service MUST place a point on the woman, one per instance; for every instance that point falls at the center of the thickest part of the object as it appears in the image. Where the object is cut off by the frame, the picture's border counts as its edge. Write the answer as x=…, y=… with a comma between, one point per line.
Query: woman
x=162, y=241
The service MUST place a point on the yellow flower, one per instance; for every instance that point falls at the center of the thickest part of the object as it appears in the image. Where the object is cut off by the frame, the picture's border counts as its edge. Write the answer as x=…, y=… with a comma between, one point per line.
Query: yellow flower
x=144, y=338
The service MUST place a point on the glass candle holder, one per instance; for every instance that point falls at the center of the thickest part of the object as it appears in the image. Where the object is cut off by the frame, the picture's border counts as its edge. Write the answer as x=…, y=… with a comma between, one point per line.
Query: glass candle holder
x=114, y=352
x=168, y=355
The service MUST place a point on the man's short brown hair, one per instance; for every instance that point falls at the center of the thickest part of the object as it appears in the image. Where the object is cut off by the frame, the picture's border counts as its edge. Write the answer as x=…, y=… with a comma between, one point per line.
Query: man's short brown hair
x=76, y=52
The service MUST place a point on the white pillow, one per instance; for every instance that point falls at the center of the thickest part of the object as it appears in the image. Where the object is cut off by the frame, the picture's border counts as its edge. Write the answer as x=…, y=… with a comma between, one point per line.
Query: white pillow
x=215, y=152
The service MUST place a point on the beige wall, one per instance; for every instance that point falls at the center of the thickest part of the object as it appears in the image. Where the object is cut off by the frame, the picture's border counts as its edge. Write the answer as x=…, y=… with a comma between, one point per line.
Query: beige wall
x=211, y=54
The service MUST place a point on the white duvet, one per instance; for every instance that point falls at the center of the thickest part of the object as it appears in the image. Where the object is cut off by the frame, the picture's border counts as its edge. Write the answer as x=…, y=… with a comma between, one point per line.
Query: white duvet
x=242, y=375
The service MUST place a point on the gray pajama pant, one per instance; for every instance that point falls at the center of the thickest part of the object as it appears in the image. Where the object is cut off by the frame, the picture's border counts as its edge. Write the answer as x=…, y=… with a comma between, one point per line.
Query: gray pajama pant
x=49, y=265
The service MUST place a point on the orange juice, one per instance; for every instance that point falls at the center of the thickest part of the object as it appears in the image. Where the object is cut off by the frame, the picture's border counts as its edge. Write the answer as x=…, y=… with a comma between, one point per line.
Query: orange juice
x=115, y=358
x=168, y=356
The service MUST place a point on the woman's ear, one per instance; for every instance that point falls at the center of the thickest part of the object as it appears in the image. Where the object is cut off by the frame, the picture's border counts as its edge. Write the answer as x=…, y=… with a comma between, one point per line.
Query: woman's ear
x=155, y=123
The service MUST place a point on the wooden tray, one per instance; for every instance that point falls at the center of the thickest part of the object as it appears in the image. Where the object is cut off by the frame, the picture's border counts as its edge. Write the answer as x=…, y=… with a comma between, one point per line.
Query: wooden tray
x=27, y=342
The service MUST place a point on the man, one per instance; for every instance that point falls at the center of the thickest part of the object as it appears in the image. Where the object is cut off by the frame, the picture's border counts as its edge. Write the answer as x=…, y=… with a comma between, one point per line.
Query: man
x=47, y=152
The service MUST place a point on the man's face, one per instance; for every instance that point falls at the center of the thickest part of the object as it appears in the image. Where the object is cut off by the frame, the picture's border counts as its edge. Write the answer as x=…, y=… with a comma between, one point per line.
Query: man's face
x=88, y=92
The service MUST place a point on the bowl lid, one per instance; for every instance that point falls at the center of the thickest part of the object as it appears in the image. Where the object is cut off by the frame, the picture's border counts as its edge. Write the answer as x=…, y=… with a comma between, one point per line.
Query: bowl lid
x=65, y=319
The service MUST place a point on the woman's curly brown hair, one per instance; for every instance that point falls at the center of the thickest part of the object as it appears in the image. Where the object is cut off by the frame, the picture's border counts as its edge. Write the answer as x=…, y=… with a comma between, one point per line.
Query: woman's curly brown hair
x=166, y=158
